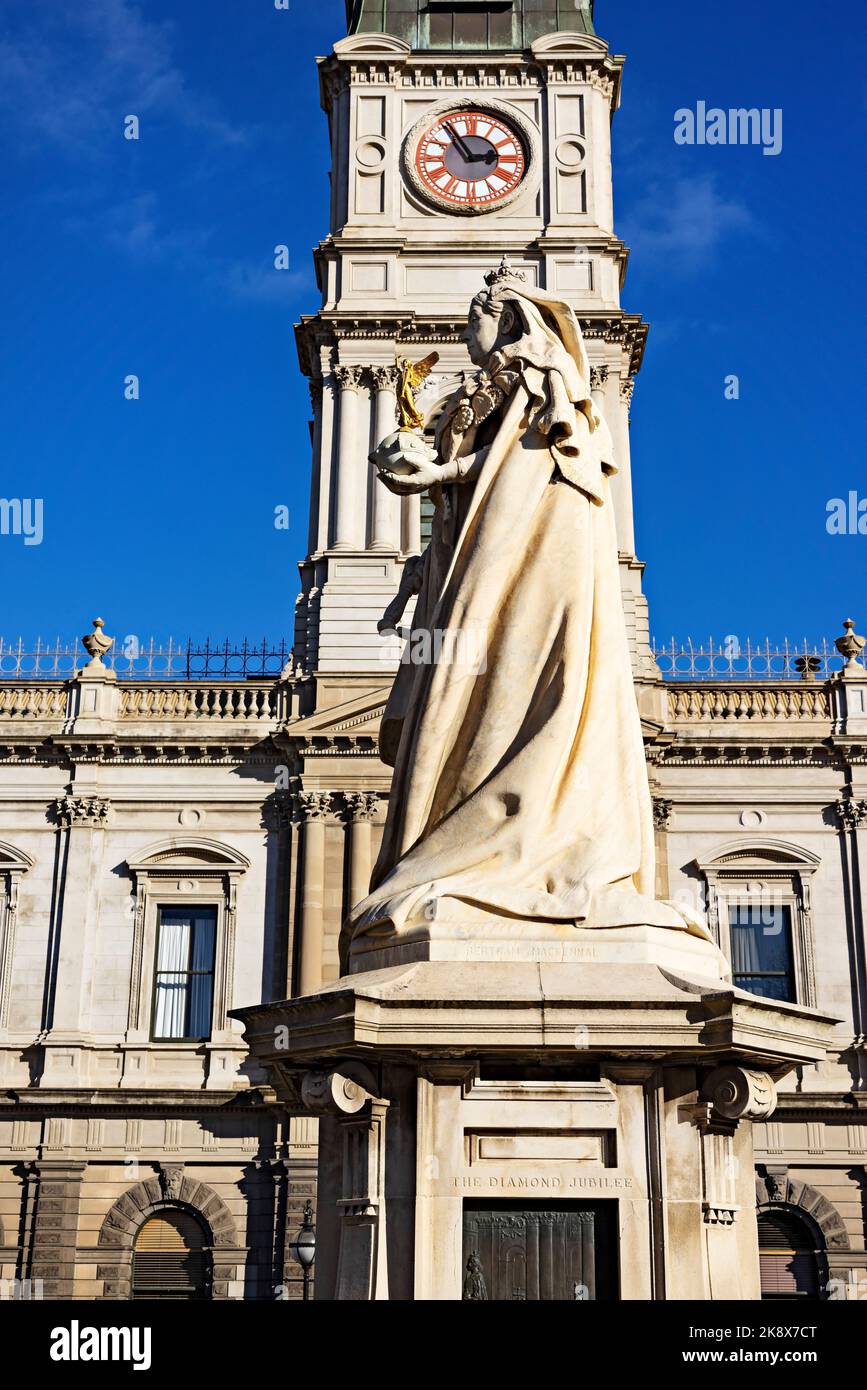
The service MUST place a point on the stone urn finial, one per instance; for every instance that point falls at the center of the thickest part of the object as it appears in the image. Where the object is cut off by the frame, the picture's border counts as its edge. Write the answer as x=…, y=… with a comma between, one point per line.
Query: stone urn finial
x=97, y=644
x=850, y=645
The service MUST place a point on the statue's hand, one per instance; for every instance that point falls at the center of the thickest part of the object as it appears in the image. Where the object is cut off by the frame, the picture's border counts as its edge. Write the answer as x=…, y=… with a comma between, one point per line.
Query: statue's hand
x=406, y=463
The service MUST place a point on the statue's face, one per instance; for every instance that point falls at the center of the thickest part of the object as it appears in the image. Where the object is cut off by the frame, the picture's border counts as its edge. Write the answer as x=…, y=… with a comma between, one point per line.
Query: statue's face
x=483, y=333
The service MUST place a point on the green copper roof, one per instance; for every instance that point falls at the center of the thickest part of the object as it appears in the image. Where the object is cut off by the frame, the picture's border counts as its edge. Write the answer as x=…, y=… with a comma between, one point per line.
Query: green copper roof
x=469, y=25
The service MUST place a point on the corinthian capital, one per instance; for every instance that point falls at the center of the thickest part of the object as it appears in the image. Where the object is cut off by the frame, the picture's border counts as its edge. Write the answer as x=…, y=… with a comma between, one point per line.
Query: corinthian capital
x=82, y=810
x=384, y=378
x=349, y=378
x=361, y=805
x=851, y=813
x=314, y=805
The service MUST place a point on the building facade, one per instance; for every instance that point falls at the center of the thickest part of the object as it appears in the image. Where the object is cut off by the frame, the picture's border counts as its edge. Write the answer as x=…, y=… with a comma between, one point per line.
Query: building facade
x=173, y=847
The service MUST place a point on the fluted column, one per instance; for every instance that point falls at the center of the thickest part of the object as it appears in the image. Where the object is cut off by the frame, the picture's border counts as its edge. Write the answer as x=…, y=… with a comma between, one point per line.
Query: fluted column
x=361, y=809
x=314, y=808
x=349, y=522
x=386, y=505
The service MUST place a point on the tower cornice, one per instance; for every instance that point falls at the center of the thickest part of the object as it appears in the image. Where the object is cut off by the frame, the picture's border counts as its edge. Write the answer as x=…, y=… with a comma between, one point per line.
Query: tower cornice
x=379, y=59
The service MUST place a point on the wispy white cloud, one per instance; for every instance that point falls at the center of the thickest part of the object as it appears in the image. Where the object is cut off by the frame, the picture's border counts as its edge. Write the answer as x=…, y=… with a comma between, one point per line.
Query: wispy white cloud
x=70, y=72
x=686, y=220
x=262, y=283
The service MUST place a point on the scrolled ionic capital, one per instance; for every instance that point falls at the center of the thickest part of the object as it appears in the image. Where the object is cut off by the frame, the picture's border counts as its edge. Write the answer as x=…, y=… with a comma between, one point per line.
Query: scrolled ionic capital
x=336, y=1092
x=738, y=1094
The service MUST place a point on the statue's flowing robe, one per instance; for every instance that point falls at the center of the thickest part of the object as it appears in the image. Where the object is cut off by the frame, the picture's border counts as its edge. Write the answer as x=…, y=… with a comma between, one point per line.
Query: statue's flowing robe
x=520, y=787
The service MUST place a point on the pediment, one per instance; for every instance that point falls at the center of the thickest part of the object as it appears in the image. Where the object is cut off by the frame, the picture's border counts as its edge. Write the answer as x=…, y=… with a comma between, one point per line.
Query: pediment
x=755, y=855
x=12, y=858
x=372, y=46
x=568, y=41
x=182, y=852
x=358, y=718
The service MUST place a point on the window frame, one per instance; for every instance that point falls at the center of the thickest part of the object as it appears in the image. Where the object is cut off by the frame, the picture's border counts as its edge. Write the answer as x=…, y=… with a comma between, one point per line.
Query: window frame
x=156, y=972
x=13, y=863
x=784, y=872
x=183, y=873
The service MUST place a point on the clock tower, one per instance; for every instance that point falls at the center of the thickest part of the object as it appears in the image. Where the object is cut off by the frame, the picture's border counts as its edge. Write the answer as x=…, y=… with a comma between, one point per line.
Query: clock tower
x=460, y=133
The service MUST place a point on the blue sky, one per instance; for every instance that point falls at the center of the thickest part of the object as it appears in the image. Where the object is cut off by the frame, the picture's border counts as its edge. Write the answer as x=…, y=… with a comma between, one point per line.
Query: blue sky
x=155, y=258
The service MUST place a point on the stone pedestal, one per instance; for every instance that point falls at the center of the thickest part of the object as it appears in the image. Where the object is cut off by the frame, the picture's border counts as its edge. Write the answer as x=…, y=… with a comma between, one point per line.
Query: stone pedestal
x=523, y=1129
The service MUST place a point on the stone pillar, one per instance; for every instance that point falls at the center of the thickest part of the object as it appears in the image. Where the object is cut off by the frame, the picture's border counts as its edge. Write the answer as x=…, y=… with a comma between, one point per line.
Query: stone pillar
x=412, y=524
x=314, y=807
x=852, y=818
x=361, y=809
x=349, y=522
x=82, y=817
x=316, y=479
x=662, y=809
x=349, y=1094
x=55, y=1227
x=386, y=505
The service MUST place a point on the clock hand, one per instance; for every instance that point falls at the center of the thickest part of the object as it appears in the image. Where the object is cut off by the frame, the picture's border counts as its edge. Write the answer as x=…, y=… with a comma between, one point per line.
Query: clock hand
x=461, y=144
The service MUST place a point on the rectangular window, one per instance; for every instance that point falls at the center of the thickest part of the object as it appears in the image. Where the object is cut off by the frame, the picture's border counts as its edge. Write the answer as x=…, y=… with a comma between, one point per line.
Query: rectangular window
x=762, y=960
x=184, y=992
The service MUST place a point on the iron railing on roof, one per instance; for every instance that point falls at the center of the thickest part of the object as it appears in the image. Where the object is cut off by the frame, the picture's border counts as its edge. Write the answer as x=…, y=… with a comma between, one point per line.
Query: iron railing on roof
x=728, y=660
x=151, y=660
x=733, y=660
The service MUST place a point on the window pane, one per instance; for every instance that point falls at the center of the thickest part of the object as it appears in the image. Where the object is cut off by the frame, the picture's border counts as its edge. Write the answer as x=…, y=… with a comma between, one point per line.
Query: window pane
x=173, y=956
x=762, y=962
x=185, y=972
x=202, y=984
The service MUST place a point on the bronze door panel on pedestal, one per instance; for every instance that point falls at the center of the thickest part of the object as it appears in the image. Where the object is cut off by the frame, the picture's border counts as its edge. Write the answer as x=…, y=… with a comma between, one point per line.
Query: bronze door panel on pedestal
x=552, y=1251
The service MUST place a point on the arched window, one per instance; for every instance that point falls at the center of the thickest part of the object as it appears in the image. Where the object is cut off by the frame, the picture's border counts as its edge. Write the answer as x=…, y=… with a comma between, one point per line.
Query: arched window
x=788, y=1256
x=170, y=1259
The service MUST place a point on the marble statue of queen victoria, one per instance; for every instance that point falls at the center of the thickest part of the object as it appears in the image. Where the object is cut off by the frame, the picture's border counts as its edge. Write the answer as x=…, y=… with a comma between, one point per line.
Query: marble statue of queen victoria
x=520, y=801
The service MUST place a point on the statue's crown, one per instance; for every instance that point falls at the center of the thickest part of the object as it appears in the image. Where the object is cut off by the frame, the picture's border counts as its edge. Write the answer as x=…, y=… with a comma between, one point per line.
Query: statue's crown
x=503, y=272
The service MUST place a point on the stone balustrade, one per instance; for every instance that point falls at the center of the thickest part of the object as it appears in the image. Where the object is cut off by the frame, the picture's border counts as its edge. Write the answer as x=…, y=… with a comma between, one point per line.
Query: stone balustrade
x=230, y=700
x=694, y=703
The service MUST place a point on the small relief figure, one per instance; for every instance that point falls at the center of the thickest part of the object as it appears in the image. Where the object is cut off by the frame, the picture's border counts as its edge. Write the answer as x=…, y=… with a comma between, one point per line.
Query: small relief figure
x=412, y=376
x=474, y=1283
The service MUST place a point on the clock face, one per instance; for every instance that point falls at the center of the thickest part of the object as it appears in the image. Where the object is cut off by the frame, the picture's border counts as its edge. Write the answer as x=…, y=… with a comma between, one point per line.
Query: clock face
x=470, y=160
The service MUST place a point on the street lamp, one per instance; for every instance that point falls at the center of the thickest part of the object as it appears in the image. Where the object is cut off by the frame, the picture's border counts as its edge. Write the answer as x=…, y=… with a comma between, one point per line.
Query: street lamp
x=303, y=1247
